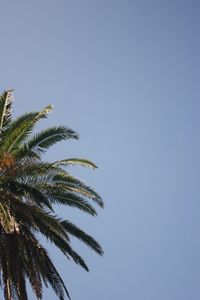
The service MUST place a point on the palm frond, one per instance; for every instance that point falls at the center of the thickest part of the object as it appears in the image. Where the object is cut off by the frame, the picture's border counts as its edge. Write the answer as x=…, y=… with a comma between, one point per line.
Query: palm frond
x=81, y=235
x=72, y=184
x=42, y=141
x=56, y=195
x=76, y=257
x=45, y=266
x=75, y=161
x=36, y=169
x=7, y=221
x=6, y=276
x=31, y=193
x=19, y=129
x=5, y=108
x=37, y=217
x=31, y=268
x=54, y=278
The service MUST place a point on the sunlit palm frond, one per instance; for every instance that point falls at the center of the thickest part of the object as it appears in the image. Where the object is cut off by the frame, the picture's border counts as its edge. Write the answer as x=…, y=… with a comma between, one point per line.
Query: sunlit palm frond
x=5, y=108
x=76, y=161
x=19, y=129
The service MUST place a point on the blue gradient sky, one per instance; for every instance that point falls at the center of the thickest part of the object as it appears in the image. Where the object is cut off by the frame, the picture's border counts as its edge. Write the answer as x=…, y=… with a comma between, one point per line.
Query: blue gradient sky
x=125, y=75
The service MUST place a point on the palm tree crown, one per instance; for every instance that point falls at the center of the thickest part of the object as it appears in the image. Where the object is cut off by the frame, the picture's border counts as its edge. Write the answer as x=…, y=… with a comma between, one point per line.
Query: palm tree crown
x=29, y=187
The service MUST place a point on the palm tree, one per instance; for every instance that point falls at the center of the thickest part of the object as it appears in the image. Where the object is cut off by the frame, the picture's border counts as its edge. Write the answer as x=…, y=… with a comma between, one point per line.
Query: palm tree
x=29, y=187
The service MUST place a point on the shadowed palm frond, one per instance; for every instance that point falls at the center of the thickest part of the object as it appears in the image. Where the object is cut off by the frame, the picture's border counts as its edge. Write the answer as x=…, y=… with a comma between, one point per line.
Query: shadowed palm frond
x=81, y=235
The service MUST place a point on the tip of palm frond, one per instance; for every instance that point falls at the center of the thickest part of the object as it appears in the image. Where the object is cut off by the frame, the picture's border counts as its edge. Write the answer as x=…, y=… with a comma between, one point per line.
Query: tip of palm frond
x=44, y=112
x=10, y=90
x=97, y=198
x=48, y=109
x=9, y=96
x=101, y=204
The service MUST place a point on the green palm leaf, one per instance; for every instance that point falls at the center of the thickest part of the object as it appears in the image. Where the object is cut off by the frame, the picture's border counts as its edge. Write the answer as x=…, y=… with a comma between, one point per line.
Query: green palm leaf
x=56, y=195
x=72, y=184
x=21, y=128
x=42, y=141
x=81, y=235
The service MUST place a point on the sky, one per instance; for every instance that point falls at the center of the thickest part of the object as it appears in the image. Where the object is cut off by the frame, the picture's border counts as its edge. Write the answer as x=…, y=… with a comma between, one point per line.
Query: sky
x=125, y=75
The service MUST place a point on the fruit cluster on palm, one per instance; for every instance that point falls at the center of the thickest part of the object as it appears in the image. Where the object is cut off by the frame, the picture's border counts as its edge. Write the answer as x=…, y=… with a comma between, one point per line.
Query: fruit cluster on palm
x=29, y=187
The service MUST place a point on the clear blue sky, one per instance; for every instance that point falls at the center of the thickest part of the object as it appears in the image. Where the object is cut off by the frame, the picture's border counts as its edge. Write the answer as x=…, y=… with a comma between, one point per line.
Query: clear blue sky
x=125, y=75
